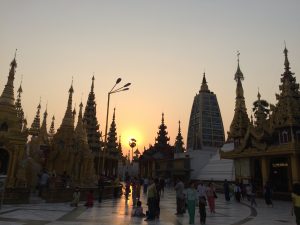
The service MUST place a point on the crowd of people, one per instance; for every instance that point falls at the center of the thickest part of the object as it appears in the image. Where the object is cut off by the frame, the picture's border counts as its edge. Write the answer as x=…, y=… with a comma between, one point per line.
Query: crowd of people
x=189, y=196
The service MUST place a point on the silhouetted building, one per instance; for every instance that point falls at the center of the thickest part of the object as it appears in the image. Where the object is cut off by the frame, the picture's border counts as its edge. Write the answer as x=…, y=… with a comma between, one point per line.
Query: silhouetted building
x=205, y=126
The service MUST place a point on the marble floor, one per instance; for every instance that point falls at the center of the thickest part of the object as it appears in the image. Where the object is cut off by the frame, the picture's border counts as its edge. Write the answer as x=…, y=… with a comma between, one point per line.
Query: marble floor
x=118, y=211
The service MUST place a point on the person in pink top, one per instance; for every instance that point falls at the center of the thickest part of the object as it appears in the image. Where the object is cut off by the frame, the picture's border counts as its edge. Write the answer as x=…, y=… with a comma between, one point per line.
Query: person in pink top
x=210, y=193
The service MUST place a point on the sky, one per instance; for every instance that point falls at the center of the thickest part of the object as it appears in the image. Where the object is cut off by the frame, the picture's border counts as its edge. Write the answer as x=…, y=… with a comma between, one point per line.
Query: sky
x=161, y=47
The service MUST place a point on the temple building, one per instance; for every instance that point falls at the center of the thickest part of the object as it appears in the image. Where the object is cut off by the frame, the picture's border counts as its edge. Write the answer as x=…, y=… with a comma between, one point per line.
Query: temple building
x=70, y=152
x=113, y=150
x=160, y=160
x=205, y=126
x=267, y=149
x=13, y=137
x=92, y=127
x=205, y=138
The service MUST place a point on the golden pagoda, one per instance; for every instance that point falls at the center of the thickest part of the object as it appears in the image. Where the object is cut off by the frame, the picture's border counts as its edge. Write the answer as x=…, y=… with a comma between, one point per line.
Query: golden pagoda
x=268, y=150
x=70, y=152
x=12, y=137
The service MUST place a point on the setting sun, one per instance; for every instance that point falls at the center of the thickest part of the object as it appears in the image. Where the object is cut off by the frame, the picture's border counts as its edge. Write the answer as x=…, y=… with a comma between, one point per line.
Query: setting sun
x=127, y=135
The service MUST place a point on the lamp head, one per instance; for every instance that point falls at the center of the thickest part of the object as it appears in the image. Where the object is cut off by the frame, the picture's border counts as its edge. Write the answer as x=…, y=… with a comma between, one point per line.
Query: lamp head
x=118, y=80
x=127, y=85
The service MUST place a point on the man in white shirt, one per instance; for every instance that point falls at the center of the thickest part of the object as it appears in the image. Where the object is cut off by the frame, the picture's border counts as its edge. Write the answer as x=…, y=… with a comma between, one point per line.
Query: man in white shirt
x=202, y=202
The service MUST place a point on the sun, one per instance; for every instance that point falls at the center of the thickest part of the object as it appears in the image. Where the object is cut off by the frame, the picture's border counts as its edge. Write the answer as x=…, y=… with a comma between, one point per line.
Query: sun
x=128, y=134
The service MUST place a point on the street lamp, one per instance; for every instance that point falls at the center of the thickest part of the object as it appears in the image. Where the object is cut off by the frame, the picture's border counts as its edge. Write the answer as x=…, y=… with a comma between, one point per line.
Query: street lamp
x=132, y=144
x=112, y=91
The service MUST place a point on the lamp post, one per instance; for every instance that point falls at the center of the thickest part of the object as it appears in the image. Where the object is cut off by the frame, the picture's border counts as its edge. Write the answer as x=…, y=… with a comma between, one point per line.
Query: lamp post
x=132, y=144
x=112, y=91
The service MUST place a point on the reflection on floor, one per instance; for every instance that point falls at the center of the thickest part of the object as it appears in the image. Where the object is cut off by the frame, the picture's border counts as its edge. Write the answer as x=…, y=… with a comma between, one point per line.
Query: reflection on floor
x=118, y=211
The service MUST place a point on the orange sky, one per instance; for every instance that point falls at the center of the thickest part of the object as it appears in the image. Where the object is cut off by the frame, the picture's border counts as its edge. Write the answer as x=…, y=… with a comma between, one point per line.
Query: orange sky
x=161, y=47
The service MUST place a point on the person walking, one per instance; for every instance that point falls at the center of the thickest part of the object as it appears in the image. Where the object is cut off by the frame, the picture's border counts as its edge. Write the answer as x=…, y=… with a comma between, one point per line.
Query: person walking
x=226, y=190
x=237, y=192
x=127, y=189
x=76, y=197
x=202, y=202
x=90, y=199
x=211, y=194
x=145, y=185
x=296, y=202
x=151, y=200
x=268, y=194
x=179, y=187
x=191, y=200
x=43, y=182
x=253, y=195
x=134, y=191
x=100, y=188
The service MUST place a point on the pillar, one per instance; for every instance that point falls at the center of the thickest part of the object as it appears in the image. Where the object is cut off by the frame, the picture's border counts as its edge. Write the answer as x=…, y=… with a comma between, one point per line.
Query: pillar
x=264, y=170
x=295, y=167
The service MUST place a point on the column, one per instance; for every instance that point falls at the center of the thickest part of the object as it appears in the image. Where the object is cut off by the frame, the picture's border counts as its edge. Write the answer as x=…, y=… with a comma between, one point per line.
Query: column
x=295, y=167
x=264, y=170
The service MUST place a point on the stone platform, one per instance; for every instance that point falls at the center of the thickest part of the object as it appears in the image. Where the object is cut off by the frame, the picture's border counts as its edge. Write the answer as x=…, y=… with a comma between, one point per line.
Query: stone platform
x=118, y=211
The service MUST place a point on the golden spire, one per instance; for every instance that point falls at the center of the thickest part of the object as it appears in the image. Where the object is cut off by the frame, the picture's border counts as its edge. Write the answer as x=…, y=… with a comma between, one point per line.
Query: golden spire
x=68, y=118
x=238, y=74
x=35, y=126
x=43, y=131
x=204, y=86
x=7, y=96
x=240, y=122
x=80, y=129
x=19, y=108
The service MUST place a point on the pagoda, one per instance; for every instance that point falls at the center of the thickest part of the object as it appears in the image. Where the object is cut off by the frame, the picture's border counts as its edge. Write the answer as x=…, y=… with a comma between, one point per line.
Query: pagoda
x=268, y=151
x=12, y=137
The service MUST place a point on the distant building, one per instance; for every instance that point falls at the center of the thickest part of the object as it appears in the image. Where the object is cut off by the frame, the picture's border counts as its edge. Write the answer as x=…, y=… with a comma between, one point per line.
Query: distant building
x=205, y=137
x=164, y=160
x=205, y=126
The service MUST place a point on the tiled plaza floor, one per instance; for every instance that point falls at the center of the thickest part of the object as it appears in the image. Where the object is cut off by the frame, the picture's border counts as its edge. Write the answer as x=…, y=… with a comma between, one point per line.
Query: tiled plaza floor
x=117, y=212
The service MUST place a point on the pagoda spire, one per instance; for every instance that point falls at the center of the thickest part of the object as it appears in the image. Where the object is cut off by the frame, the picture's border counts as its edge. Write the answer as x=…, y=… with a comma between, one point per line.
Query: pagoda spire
x=112, y=144
x=162, y=140
x=68, y=120
x=52, y=128
x=179, y=141
x=35, y=126
x=43, y=131
x=261, y=111
x=286, y=59
x=19, y=108
x=240, y=122
x=204, y=86
x=288, y=107
x=80, y=128
x=91, y=122
x=7, y=96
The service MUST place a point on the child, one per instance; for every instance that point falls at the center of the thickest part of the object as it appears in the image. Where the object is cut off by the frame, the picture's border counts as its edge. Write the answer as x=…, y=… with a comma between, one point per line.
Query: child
x=76, y=197
x=90, y=199
x=138, y=211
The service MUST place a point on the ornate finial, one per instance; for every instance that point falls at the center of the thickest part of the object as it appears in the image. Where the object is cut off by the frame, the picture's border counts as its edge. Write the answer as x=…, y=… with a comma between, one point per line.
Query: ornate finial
x=16, y=53
x=204, y=86
x=258, y=95
x=286, y=60
x=114, y=114
x=162, y=118
x=238, y=74
x=179, y=128
x=93, y=79
x=40, y=102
